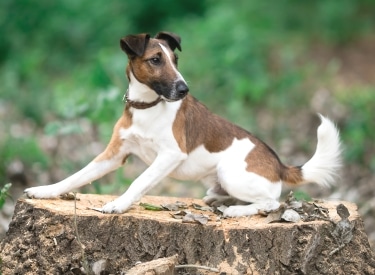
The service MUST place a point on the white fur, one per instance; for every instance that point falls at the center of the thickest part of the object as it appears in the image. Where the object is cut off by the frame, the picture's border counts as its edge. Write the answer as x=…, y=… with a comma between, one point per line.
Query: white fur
x=199, y=166
x=138, y=91
x=165, y=163
x=245, y=186
x=167, y=53
x=251, y=209
x=92, y=171
x=322, y=167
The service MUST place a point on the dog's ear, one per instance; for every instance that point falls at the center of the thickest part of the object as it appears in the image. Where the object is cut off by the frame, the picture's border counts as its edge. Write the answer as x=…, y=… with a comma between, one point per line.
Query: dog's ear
x=134, y=45
x=173, y=40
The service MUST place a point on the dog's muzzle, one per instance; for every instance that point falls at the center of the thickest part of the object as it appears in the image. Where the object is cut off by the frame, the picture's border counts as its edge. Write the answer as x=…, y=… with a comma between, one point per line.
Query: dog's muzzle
x=178, y=90
x=181, y=89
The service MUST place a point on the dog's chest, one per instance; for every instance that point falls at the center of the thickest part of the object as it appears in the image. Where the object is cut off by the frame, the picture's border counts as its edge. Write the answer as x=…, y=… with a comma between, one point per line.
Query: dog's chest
x=144, y=144
x=150, y=132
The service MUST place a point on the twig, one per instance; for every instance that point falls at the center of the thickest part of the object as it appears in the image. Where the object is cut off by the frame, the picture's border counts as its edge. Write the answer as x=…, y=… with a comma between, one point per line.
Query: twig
x=337, y=249
x=198, y=266
x=84, y=261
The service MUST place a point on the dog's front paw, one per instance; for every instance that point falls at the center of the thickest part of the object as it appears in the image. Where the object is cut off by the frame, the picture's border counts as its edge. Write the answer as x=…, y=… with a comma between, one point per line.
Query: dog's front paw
x=115, y=206
x=41, y=192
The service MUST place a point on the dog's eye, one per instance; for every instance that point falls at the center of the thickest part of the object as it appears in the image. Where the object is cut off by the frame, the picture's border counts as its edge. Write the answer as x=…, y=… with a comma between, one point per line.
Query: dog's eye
x=155, y=60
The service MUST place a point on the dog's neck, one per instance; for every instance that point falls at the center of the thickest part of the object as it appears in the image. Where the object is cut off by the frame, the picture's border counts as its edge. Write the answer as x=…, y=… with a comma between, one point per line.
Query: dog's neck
x=139, y=95
x=140, y=104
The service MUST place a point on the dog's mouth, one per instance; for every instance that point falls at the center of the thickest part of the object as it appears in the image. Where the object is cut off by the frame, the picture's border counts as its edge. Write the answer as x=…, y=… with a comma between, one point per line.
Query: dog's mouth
x=169, y=99
x=173, y=97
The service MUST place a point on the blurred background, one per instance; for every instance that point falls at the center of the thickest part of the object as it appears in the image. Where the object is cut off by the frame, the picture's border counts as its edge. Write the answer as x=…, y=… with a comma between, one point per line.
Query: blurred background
x=269, y=66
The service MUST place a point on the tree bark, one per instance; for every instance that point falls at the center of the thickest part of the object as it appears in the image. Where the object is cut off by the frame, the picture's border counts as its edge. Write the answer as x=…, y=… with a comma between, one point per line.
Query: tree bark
x=42, y=239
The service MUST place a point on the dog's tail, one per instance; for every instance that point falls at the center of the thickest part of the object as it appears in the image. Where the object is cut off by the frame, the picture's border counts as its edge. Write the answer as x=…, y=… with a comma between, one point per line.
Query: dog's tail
x=323, y=167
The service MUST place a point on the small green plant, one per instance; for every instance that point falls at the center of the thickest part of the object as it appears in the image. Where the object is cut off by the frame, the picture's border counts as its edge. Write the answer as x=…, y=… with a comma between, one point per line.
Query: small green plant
x=301, y=195
x=4, y=194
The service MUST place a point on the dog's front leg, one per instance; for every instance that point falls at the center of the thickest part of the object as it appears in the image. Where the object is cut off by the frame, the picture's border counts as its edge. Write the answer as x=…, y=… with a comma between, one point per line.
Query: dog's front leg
x=112, y=158
x=162, y=166
x=91, y=172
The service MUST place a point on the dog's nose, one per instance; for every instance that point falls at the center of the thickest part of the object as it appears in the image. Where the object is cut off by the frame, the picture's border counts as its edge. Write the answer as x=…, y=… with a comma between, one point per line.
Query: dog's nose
x=181, y=88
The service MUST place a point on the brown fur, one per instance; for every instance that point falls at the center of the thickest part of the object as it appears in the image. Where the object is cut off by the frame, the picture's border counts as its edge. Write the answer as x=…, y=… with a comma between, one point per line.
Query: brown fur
x=292, y=175
x=263, y=161
x=115, y=143
x=196, y=125
x=142, y=70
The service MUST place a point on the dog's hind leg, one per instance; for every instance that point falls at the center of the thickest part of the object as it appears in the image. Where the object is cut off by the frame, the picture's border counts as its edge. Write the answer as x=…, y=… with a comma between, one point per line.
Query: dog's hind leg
x=217, y=196
x=257, y=191
x=261, y=194
x=251, y=209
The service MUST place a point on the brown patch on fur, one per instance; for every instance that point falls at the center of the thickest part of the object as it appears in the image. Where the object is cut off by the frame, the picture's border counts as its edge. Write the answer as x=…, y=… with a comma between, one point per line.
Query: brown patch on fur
x=114, y=145
x=264, y=162
x=292, y=175
x=196, y=125
x=147, y=74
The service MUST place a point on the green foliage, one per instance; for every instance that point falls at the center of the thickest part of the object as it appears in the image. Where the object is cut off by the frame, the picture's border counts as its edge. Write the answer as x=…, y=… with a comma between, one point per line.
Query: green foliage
x=235, y=42
x=23, y=149
x=358, y=131
x=4, y=194
x=301, y=195
x=60, y=61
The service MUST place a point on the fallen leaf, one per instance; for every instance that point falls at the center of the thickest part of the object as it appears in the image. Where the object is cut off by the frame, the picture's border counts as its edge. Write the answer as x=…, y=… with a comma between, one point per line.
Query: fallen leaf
x=202, y=208
x=274, y=217
x=181, y=204
x=193, y=218
x=174, y=206
x=221, y=208
x=313, y=211
x=69, y=197
x=342, y=211
x=290, y=215
x=151, y=207
x=180, y=214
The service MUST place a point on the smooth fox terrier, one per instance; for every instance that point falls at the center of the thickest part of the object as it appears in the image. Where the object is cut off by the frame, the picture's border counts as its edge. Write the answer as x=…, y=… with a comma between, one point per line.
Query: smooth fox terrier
x=178, y=136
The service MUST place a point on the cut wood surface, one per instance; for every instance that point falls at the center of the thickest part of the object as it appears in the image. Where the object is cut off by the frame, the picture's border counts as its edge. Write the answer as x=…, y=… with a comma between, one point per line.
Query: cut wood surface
x=42, y=239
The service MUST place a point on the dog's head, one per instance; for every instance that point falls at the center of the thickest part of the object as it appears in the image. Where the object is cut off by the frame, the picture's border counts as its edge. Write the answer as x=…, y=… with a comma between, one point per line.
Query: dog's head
x=153, y=62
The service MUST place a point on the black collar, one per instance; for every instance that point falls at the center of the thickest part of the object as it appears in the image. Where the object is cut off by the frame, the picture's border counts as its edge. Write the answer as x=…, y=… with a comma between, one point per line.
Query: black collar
x=140, y=104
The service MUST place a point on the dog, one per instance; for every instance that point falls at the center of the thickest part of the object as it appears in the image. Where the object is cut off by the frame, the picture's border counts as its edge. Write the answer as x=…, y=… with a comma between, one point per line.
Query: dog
x=178, y=136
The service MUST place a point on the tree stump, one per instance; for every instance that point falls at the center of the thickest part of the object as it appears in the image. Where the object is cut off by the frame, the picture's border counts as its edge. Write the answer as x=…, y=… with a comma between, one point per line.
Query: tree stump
x=55, y=237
